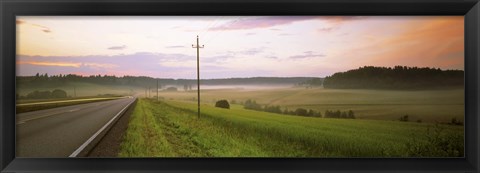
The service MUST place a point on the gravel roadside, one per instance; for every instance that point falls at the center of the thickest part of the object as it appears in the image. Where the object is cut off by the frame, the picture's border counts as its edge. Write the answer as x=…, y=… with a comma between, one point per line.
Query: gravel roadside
x=109, y=145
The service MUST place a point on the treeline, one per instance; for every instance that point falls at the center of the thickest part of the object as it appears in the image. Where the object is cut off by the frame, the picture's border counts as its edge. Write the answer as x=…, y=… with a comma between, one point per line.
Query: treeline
x=142, y=81
x=399, y=77
x=57, y=93
x=253, y=105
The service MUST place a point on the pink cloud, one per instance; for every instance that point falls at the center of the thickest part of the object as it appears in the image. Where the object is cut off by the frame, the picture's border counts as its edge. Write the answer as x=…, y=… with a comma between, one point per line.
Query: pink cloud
x=437, y=42
x=41, y=27
x=271, y=21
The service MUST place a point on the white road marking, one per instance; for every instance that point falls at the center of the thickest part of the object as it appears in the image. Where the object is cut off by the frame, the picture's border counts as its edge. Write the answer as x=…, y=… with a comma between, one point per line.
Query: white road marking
x=85, y=144
x=73, y=110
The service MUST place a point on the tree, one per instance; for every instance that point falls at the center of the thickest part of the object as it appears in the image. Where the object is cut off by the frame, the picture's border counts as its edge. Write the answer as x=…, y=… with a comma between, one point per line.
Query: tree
x=222, y=104
x=337, y=114
x=252, y=104
x=351, y=114
x=273, y=109
x=310, y=113
x=301, y=112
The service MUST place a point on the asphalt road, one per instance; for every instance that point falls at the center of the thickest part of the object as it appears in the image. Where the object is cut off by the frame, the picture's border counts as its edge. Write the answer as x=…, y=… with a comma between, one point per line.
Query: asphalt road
x=58, y=132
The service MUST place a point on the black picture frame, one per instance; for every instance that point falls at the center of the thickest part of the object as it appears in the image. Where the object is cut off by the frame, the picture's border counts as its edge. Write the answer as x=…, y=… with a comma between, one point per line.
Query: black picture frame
x=11, y=8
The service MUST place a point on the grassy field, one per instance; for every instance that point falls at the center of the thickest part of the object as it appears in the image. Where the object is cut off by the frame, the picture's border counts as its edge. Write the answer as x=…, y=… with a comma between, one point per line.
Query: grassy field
x=41, y=104
x=424, y=105
x=171, y=129
x=83, y=89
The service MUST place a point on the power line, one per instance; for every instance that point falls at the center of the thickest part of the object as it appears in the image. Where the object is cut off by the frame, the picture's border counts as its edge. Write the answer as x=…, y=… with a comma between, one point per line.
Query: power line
x=207, y=28
x=215, y=36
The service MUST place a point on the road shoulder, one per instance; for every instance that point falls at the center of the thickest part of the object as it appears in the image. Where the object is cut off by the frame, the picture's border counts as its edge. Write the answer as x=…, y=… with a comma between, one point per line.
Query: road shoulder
x=109, y=145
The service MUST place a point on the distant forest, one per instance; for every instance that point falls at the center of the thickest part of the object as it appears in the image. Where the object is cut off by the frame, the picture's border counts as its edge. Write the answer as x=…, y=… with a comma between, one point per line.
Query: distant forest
x=399, y=77
x=142, y=81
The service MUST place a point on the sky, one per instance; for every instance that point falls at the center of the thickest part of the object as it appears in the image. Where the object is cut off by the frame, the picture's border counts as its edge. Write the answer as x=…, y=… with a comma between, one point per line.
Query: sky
x=234, y=46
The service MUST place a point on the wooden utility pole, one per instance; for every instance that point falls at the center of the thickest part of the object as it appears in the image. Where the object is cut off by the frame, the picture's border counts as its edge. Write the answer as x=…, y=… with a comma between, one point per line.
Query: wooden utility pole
x=198, y=73
x=74, y=92
x=157, y=89
x=146, y=96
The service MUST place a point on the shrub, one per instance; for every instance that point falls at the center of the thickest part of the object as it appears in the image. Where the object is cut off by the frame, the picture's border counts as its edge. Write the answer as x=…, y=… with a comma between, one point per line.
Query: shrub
x=404, y=118
x=171, y=89
x=252, y=104
x=222, y=104
x=301, y=112
x=58, y=93
x=455, y=122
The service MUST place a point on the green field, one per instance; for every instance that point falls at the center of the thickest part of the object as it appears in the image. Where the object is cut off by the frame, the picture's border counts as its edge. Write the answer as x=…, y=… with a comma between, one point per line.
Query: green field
x=425, y=105
x=172, y=129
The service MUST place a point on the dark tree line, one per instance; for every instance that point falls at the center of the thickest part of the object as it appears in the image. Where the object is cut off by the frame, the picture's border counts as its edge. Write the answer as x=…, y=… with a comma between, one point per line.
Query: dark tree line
x=253, y=105
x=142, y=81
x=399, y=77
x=57, y=93
x=340, y=114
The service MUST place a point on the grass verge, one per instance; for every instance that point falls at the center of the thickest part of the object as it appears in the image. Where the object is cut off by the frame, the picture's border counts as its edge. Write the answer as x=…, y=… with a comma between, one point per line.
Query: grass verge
x=171, y=129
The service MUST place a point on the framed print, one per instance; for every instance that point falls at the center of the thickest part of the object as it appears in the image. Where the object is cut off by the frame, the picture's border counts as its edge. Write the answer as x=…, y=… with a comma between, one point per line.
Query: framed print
x=320, y=86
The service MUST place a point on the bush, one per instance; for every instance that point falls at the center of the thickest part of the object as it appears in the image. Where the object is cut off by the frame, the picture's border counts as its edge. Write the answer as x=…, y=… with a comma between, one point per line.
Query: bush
x=252, y=104
x=222, y=104
x=273, y=109
x=58, y=93
x=456, y=122
x=301, y=112
x=404, y=118
x=171, y=89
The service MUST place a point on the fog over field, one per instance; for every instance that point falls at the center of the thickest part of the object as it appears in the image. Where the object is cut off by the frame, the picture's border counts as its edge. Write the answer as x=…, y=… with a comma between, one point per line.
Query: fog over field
x=270, y=86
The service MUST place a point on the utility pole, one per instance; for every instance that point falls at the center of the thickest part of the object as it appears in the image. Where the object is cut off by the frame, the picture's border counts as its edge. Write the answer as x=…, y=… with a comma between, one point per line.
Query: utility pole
x=74, y=92
x=149, y=92
x=198, y=73
x=157, y=90
x=146, y=93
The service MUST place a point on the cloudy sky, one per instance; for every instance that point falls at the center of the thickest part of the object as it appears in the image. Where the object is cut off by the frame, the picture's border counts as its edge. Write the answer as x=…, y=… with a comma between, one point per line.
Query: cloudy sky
x=235, y=46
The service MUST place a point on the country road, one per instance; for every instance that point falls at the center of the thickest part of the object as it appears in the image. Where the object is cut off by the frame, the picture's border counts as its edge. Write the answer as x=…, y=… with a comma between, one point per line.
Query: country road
x=59, y=132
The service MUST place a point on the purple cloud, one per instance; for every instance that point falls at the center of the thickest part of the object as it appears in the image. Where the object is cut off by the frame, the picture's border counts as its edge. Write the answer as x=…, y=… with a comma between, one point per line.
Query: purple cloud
x=325, y=29
x=271, y=21
x=117, y=47
x=173, y=47
x=307, y=54
x=251, y=51
x=271, y=57
x=137, y=64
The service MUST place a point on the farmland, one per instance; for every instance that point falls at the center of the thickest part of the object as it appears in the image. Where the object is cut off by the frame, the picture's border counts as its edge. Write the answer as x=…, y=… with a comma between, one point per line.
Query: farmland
x=424, y=105
x=171, y=129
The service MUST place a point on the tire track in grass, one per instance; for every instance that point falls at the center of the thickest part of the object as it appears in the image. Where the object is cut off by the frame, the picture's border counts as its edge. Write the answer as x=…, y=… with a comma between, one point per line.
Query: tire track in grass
x=143, y=137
